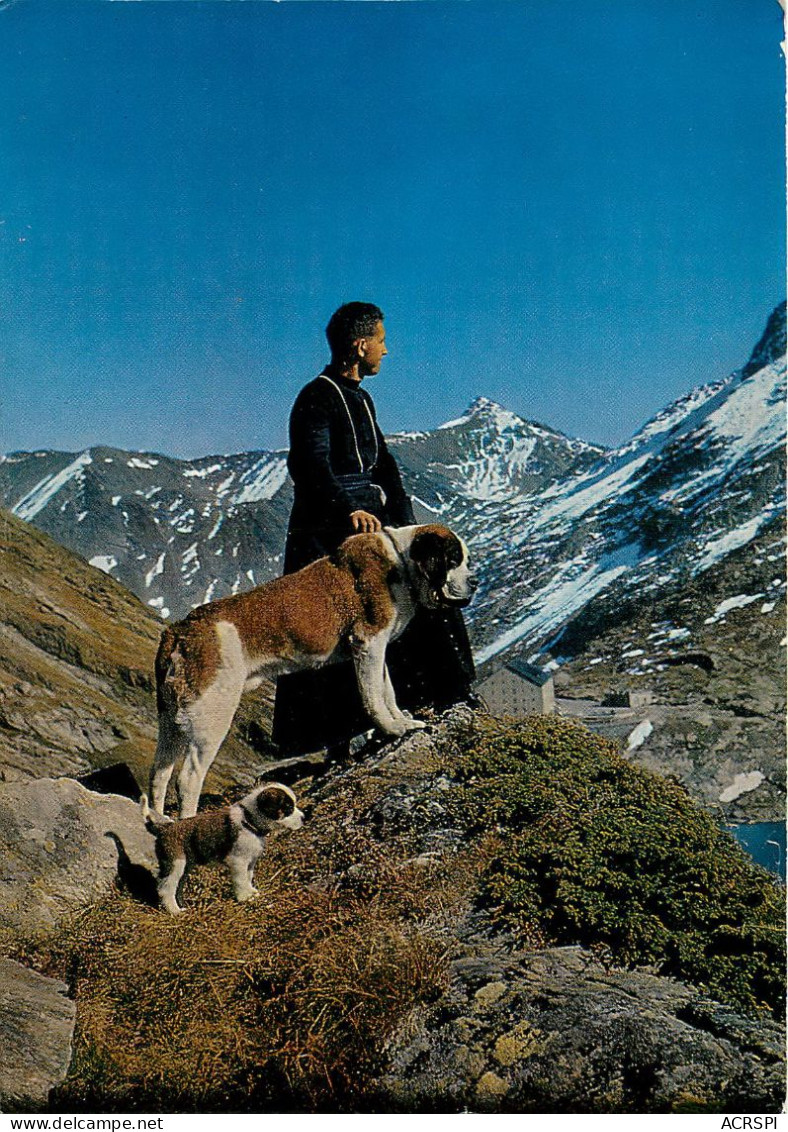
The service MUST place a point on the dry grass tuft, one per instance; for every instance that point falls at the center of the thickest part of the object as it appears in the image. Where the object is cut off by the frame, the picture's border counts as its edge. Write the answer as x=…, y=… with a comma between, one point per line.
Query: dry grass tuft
x=288, y=1001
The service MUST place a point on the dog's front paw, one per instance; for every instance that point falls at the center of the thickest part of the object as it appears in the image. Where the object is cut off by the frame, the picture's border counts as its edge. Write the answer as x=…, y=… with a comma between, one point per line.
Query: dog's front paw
x=415, y=724
x=407, y=720
x=402, y=724
x=394, y=728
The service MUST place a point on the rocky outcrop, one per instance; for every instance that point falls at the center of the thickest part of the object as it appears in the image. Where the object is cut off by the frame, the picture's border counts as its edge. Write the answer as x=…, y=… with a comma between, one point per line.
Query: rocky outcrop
x=505, y=1029
x=36, y=1029
x=729, y=763
x=554, y=1031
x=61, y=848
x=548, y=1030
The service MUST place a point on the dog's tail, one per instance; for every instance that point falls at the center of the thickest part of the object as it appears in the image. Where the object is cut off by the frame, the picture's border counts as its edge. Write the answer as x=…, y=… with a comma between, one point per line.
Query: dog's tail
x=153, y=820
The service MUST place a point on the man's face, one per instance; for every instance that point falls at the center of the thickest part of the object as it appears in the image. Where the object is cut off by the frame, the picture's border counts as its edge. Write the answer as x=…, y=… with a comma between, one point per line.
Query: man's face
x=371, y=351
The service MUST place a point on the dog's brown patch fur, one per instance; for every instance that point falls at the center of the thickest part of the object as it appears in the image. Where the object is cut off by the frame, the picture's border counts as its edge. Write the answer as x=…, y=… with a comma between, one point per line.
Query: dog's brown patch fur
x=345, y=597
x=186, y=662
x=207, y=837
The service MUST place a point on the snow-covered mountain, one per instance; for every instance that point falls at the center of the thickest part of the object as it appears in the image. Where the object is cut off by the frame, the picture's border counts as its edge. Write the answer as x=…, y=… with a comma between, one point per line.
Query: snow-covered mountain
x=487, y=454
x=702, y=479
x=557, y=526
x=657, y=566
x=179, y=533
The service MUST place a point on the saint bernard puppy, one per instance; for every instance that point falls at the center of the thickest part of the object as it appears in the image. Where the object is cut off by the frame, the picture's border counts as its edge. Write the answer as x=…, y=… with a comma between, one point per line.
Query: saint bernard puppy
x=350, y=604
x=234, y=834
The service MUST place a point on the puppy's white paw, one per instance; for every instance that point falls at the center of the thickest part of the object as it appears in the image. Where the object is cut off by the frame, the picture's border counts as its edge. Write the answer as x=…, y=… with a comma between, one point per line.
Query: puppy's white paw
x=252, y=894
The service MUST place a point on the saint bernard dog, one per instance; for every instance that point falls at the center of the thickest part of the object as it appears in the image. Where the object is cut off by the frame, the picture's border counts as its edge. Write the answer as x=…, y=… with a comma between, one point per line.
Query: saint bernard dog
x=350, y=604
x=234, y=835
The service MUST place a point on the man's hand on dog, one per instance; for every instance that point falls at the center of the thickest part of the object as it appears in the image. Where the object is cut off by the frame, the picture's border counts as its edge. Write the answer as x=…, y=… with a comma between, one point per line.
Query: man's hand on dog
x=364, y=523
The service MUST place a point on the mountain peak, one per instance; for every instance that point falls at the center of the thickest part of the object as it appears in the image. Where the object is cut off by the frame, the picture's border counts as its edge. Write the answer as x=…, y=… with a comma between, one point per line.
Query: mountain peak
x=483, y=410
x=771, y=344
x=483, y=405
x=490, y=417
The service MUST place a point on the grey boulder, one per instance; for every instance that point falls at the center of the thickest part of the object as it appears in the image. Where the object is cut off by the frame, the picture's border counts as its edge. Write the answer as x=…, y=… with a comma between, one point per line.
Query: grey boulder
x=61, y=848
x=36, y=1028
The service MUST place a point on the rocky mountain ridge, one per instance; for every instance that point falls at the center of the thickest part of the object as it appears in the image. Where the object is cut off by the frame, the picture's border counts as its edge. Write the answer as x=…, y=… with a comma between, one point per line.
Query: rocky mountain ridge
x=179, y=533
x=663, y=569
x=76, y=651
x=697, y=483
x=554, y=522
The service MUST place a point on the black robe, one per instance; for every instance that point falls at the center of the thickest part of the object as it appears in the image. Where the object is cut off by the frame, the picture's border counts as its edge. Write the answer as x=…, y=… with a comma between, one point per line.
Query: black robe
x=336, y=452
x=339, y=463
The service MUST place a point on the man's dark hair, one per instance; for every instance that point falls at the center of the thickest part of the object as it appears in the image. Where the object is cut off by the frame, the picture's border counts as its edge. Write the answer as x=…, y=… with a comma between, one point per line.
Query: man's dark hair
x=351, y=322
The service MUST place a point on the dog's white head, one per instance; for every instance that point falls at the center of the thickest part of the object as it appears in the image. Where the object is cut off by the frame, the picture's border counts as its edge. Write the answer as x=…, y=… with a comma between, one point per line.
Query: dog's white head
x=272, y=807
x=441, y=561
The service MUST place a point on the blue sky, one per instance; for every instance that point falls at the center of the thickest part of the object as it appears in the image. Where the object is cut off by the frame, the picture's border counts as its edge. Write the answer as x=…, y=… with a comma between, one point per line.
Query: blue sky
x=576, y=210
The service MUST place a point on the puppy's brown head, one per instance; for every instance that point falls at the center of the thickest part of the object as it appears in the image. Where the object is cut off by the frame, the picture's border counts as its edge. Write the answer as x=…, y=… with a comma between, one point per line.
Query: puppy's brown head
x=441, y=561
x=272, y=805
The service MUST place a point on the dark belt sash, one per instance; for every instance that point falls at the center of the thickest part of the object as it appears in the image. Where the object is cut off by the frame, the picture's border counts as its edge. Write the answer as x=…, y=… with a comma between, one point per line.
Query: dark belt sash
x=363, y=493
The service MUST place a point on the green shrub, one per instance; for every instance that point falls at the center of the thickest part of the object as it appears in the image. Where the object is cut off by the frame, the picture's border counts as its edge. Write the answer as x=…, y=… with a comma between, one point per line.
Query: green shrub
x=595, y=851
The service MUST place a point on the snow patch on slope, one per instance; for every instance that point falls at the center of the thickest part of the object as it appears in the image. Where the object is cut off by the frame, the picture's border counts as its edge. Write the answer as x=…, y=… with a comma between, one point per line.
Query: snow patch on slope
x=555, y=604
x=36, y=499
x=105, y=562
x=729, y=541
x=742, y=784
x=263, y=479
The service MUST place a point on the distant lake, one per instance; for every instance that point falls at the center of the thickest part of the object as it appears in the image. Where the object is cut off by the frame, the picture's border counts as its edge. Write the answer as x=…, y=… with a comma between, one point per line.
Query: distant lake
x=765, y=842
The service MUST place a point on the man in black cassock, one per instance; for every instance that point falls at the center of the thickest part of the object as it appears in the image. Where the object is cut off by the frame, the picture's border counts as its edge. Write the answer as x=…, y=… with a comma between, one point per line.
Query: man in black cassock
x=347, y=482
